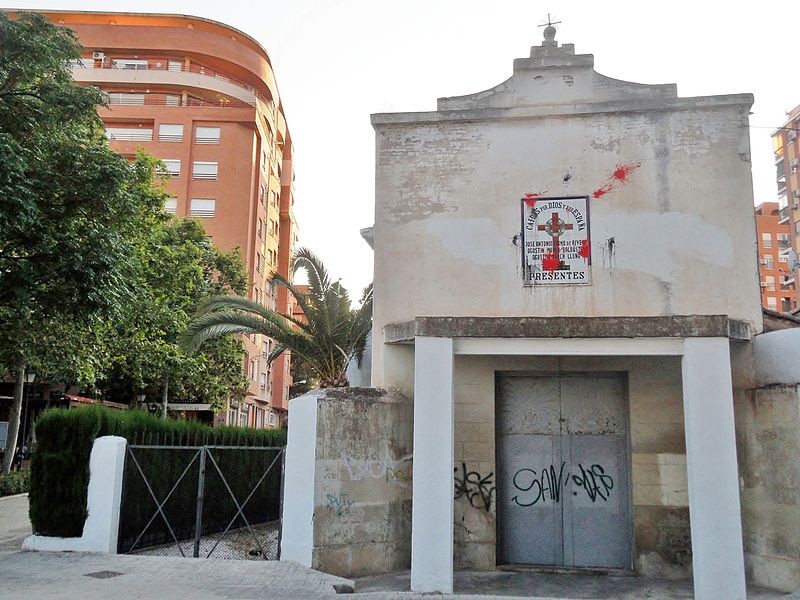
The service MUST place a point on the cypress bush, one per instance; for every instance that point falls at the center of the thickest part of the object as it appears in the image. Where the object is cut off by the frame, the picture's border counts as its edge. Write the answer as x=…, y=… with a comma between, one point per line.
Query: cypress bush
x=60, y=464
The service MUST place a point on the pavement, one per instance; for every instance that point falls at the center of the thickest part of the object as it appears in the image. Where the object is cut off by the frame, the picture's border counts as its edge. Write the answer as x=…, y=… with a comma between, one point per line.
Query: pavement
x=14, y=523
x=64, y=575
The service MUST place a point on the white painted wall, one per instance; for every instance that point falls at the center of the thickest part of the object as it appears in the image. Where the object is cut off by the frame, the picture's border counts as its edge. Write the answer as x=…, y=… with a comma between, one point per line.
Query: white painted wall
x=297, y=536
x=449, y=183
x=777, y=356
x=104, y=496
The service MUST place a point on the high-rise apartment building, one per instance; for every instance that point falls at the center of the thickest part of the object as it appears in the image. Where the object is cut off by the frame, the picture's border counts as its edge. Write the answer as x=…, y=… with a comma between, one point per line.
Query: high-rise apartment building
x=786, y=145
x=202, y=97
x=777, y=282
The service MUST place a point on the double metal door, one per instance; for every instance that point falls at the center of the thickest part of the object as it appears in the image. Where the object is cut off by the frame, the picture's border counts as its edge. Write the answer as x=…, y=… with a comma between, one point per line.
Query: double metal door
x=563, y=485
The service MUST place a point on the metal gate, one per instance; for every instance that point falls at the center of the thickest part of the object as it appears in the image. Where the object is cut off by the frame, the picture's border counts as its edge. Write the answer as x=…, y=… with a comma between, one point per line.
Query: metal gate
x=202, y=501
x=563, y=485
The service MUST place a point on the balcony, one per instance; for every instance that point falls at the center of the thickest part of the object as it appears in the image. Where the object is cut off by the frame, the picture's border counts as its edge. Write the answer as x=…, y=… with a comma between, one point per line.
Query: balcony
x=783, y=215
x=192, y=77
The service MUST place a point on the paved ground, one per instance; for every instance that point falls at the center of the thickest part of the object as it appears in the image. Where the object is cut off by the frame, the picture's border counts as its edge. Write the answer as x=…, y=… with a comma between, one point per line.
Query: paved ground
x=46, y=576
x=50, y=576
x=14, y=523
x=553, y=585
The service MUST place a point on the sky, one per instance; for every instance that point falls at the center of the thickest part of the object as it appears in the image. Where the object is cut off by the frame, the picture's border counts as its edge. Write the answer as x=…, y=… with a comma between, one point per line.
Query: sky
x=338, y=61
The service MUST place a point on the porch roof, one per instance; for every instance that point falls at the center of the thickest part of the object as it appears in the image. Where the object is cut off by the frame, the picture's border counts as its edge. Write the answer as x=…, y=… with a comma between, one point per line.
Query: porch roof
x=674, y=326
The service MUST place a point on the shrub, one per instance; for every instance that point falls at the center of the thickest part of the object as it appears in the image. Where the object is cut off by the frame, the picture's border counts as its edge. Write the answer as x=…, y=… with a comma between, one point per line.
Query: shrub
x=60, y=463
x=14, y=483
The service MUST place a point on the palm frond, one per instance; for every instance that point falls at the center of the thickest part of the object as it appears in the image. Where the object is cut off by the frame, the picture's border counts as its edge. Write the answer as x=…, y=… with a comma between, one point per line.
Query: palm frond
x=213, y=325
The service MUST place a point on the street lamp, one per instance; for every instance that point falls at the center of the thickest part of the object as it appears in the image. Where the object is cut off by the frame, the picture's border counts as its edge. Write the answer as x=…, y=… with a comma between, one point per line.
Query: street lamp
x=30, y=375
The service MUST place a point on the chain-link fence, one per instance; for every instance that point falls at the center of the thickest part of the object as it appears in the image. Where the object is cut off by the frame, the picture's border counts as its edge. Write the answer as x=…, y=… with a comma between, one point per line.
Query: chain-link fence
x=202, y=501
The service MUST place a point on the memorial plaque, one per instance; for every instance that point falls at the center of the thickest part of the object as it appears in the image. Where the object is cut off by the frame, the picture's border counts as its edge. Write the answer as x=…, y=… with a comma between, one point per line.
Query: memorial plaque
x=556, y=247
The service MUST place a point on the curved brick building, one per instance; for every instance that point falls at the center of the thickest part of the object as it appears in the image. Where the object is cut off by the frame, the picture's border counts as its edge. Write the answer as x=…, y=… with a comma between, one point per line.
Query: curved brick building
x=202, y=96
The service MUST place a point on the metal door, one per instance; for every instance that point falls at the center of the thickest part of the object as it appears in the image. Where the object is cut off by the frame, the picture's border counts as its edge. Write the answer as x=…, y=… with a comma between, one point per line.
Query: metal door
x=563, y=484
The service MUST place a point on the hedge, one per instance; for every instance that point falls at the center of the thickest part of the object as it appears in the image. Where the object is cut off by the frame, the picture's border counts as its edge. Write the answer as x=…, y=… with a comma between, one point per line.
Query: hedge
x=60, y=464
x=14, y=483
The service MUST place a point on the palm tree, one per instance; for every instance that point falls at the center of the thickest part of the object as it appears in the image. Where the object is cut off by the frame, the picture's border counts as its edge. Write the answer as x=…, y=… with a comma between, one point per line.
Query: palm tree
x=333, y=335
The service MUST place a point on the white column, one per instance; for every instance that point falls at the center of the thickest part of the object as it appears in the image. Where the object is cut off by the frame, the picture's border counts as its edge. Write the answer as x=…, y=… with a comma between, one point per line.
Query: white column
x=297, y=535
x=714, y=510
x=432, y=511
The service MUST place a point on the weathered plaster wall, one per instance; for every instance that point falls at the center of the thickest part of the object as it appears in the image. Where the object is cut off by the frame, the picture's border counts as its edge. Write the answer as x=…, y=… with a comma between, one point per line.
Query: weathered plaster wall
x=668, y=232
x=768, y=440
x=362, y=488
x=659, y=487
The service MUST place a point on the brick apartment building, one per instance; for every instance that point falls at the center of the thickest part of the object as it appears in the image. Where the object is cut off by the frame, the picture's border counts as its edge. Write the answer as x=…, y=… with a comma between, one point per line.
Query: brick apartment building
x=777, y=282
x=786, y=145
x=202, y=97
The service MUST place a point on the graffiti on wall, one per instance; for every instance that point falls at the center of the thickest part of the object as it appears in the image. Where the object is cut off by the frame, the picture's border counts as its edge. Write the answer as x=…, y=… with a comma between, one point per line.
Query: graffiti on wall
x=476, y=488
x=549, y=484
x=386, y=468
x=340, y=504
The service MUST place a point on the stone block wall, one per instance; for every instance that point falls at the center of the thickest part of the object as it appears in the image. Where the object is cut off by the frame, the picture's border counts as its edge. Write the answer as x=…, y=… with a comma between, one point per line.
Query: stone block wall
x=362, y=485
x=768, y=440
x=662, y=538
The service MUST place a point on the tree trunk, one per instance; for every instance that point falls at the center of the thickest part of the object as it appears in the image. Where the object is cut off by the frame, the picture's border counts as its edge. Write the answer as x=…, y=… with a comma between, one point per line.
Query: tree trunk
x=165, y=395
x=13, y=421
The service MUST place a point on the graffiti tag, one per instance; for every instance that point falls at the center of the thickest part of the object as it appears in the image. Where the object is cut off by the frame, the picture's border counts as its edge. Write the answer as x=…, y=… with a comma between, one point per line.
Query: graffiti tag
x=340, y=504
x=477, y=489
x=549, y=484
x=385, y=468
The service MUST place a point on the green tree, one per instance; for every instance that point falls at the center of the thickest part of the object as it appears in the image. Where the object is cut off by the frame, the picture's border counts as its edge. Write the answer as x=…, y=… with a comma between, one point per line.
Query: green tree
x=333, y=335
x=70, y=205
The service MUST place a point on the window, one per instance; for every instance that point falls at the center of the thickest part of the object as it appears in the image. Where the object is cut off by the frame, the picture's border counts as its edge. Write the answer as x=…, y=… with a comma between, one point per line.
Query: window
x=231, y=416
x=259, y=263
x=126, y=99
x=772, y=303
x=170, y=133
x=272, y=419
x=768, y=260
x=766, y=240
x=770, y=283
x=129, y=63
x=203, y=207
x=206, y=135
x=175, y=66
x=205, y=170
x=129, y=134
x=171, y=206
x=262, y=196
x=173, y=166
x=253, y=369
x=260, y=418
x=261, y=228
x=243, y=420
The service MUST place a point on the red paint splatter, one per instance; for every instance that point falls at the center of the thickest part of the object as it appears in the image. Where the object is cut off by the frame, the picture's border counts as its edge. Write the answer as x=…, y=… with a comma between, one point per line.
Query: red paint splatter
x=622, y=171
x=619, y=176
x=530, y=199
x=550, y=262
x=585, y=250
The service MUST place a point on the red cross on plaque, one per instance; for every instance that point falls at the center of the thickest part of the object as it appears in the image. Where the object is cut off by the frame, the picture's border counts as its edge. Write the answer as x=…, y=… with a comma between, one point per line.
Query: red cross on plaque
x=554, y=228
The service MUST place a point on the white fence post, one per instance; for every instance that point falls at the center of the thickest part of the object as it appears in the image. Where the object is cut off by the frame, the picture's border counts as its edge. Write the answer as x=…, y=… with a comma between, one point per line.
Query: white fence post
x=104, y=496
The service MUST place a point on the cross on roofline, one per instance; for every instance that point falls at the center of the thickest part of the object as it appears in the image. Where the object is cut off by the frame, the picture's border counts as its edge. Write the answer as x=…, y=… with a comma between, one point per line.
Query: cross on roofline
x=550, y=22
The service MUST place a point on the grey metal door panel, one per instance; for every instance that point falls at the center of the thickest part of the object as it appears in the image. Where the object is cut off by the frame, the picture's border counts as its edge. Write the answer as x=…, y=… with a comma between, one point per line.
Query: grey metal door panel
x=598, y=507
x=531, y=523
x=563, y=489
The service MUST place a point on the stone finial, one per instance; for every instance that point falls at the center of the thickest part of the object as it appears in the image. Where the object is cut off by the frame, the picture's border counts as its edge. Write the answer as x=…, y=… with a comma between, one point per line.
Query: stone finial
x=550, y=37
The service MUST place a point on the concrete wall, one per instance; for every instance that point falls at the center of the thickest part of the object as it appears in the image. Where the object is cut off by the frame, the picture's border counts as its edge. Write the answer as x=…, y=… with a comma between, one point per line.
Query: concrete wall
x=659, y=485
x=362, y=484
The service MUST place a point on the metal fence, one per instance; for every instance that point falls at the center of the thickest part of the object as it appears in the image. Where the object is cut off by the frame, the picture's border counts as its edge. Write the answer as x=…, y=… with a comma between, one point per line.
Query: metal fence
x=202, y=501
